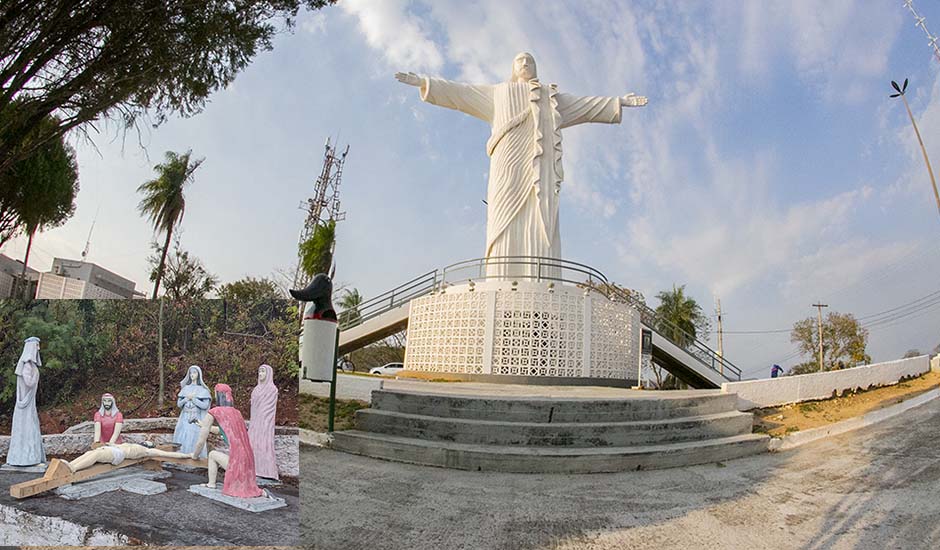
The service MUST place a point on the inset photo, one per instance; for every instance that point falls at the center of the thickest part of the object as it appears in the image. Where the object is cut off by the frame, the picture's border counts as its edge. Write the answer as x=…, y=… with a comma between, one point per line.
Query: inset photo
x=137, y=422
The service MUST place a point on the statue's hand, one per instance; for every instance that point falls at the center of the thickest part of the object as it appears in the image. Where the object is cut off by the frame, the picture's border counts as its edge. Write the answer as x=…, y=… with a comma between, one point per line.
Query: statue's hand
x=410, y=79
x=633, y=100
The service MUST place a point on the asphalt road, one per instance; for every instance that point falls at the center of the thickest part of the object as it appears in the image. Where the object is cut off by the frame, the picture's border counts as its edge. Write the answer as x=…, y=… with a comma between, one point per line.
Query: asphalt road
x=176, y=517
x=875, y=488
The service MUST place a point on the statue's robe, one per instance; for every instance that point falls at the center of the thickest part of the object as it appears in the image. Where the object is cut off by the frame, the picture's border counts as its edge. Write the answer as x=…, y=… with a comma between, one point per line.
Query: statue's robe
x=186, y=432
x=525, y=160
x=25, y=436
x=261, y=428
x=240, y=474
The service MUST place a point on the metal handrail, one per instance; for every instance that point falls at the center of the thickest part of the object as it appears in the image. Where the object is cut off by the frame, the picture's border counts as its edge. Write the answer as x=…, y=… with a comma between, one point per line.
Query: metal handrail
x=546, y=269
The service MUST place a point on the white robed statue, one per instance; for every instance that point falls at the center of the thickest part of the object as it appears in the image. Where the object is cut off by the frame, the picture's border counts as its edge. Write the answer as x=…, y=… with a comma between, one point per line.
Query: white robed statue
x=25, y=437
x=525, y=154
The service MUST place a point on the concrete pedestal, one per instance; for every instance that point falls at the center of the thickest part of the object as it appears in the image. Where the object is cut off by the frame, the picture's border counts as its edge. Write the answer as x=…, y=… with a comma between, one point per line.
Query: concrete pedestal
x=258, y=504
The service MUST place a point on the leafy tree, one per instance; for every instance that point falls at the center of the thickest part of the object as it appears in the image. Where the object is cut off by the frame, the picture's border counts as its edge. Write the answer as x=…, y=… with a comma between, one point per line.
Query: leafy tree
x=38, y=192
x=250, y=289
x=249, y=305
x=164, y=203
x=680, y=316
x=844, y=340
x=84, y=61
x=911, y=353
x=316, y=253
x=186, y=277
x=350, y=306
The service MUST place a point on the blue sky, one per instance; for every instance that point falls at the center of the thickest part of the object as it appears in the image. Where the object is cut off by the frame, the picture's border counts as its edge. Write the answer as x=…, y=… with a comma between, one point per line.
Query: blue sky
x=770, y=166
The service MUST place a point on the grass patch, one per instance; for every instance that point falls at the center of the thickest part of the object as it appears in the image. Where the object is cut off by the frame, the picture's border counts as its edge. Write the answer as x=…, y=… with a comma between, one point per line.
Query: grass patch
x=314, y=413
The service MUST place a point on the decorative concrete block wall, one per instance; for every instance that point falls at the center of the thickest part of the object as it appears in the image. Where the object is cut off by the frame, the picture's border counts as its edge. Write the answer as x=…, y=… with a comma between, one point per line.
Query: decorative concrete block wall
x=772, y=392
x=523, y=328
x=935, y=363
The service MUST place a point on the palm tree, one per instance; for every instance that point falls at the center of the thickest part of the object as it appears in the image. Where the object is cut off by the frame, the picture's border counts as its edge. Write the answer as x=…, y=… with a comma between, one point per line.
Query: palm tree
x=163, y=201
x=680, y=316
x=350, y=304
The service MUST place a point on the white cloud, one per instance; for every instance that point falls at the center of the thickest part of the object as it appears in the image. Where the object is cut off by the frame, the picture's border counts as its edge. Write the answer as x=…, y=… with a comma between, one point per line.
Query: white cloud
x=400, y=36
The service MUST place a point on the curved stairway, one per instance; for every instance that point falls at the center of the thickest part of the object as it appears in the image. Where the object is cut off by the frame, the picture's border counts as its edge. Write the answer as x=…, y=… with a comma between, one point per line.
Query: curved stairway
x=557, y=435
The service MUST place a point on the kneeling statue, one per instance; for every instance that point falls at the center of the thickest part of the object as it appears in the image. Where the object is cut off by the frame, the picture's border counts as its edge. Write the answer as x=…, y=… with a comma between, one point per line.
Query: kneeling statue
x=239, y=463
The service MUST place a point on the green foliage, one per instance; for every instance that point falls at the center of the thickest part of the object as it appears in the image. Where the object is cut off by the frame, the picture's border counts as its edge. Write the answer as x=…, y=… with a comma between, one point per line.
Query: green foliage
x=844, y=341
x=316, y=253
x=250, y=289
x=98, y=58
x=106, y=344
x=349, y=304
x=164, y=203
x=911, y=353
x=681, y=318
x=185, y=277
x=38, y=191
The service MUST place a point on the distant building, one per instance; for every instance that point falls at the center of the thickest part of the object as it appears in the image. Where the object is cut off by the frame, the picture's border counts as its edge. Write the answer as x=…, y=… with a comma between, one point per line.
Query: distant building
x=75, y=279
x=10, y=272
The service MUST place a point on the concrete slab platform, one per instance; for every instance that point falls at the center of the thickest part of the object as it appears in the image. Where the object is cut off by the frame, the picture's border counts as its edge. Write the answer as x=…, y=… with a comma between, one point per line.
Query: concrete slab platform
x=259, y=504
x=144, y=487
x=37, y=469
x=267, y=482
x=128, y=479
x=164, y=519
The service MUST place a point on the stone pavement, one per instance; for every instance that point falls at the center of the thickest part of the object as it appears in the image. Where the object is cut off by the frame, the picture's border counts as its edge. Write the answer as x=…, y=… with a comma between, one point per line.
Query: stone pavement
x=174, y=518
x=869, y=489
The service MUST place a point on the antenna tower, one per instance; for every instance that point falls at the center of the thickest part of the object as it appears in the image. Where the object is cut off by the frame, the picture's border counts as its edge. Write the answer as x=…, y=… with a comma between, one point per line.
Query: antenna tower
x=920, y=21
x=324, y=206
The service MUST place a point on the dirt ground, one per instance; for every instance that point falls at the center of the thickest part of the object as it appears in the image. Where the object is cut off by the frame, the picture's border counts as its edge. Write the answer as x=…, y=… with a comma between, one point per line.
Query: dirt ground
x=314, y=413
x=779, y=421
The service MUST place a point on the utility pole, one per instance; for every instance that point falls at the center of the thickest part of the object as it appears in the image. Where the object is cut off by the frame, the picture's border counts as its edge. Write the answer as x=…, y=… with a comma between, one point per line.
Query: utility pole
x=900, y=93
x=819, y=328
x=721, y=365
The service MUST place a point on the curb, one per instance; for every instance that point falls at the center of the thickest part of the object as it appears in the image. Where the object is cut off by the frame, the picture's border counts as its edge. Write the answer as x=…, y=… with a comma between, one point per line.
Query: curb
x=317, y=439
x=801, y=438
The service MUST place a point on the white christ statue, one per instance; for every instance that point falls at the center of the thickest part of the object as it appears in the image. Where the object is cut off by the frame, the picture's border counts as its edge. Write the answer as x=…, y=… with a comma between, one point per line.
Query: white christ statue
x=524, y=147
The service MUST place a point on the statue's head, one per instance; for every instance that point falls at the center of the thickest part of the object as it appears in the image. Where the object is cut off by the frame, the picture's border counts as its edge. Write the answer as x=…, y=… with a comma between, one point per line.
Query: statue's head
x=223, y=395
x=108, y=406
x=263, y=373
x=193, y=376
x=523, y=68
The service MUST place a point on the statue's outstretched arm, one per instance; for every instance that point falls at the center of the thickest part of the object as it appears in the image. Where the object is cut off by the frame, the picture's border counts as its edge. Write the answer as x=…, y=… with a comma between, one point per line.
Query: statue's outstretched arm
x=205, y=426
x=475, y=100
x=581, y=109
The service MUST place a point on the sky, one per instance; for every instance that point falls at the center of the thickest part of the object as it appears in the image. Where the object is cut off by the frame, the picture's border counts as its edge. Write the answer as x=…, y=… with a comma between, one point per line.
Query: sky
x=770, y=168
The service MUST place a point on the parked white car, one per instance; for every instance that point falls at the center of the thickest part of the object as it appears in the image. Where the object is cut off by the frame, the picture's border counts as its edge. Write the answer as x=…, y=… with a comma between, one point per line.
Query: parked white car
x=388, y=369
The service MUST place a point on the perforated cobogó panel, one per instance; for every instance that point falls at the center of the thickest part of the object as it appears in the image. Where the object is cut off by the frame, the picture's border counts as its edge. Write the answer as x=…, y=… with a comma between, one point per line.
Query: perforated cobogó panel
x=615, y=340
x=534, y=330
x=538, y=333
x=446, y=333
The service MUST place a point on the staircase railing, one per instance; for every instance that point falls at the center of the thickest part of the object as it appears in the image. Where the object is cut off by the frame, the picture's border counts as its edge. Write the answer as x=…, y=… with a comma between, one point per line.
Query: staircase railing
x=536, y=269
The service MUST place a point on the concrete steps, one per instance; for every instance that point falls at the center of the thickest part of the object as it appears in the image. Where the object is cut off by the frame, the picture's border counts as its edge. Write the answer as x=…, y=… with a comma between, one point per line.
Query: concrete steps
x=560, y=434
x=546, y=409
x=552, y=435
x=561, y=460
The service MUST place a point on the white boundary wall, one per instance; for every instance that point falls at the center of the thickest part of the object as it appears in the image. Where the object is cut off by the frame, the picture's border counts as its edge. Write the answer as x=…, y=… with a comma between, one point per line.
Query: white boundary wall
x=771, y=392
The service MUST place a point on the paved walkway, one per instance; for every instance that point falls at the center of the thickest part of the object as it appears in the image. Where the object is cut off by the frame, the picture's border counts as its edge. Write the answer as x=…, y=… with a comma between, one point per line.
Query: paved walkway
x=874, y=488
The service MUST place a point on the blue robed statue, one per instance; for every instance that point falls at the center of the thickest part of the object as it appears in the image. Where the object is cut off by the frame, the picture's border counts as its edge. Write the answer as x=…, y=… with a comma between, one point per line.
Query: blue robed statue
x=194, y=399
